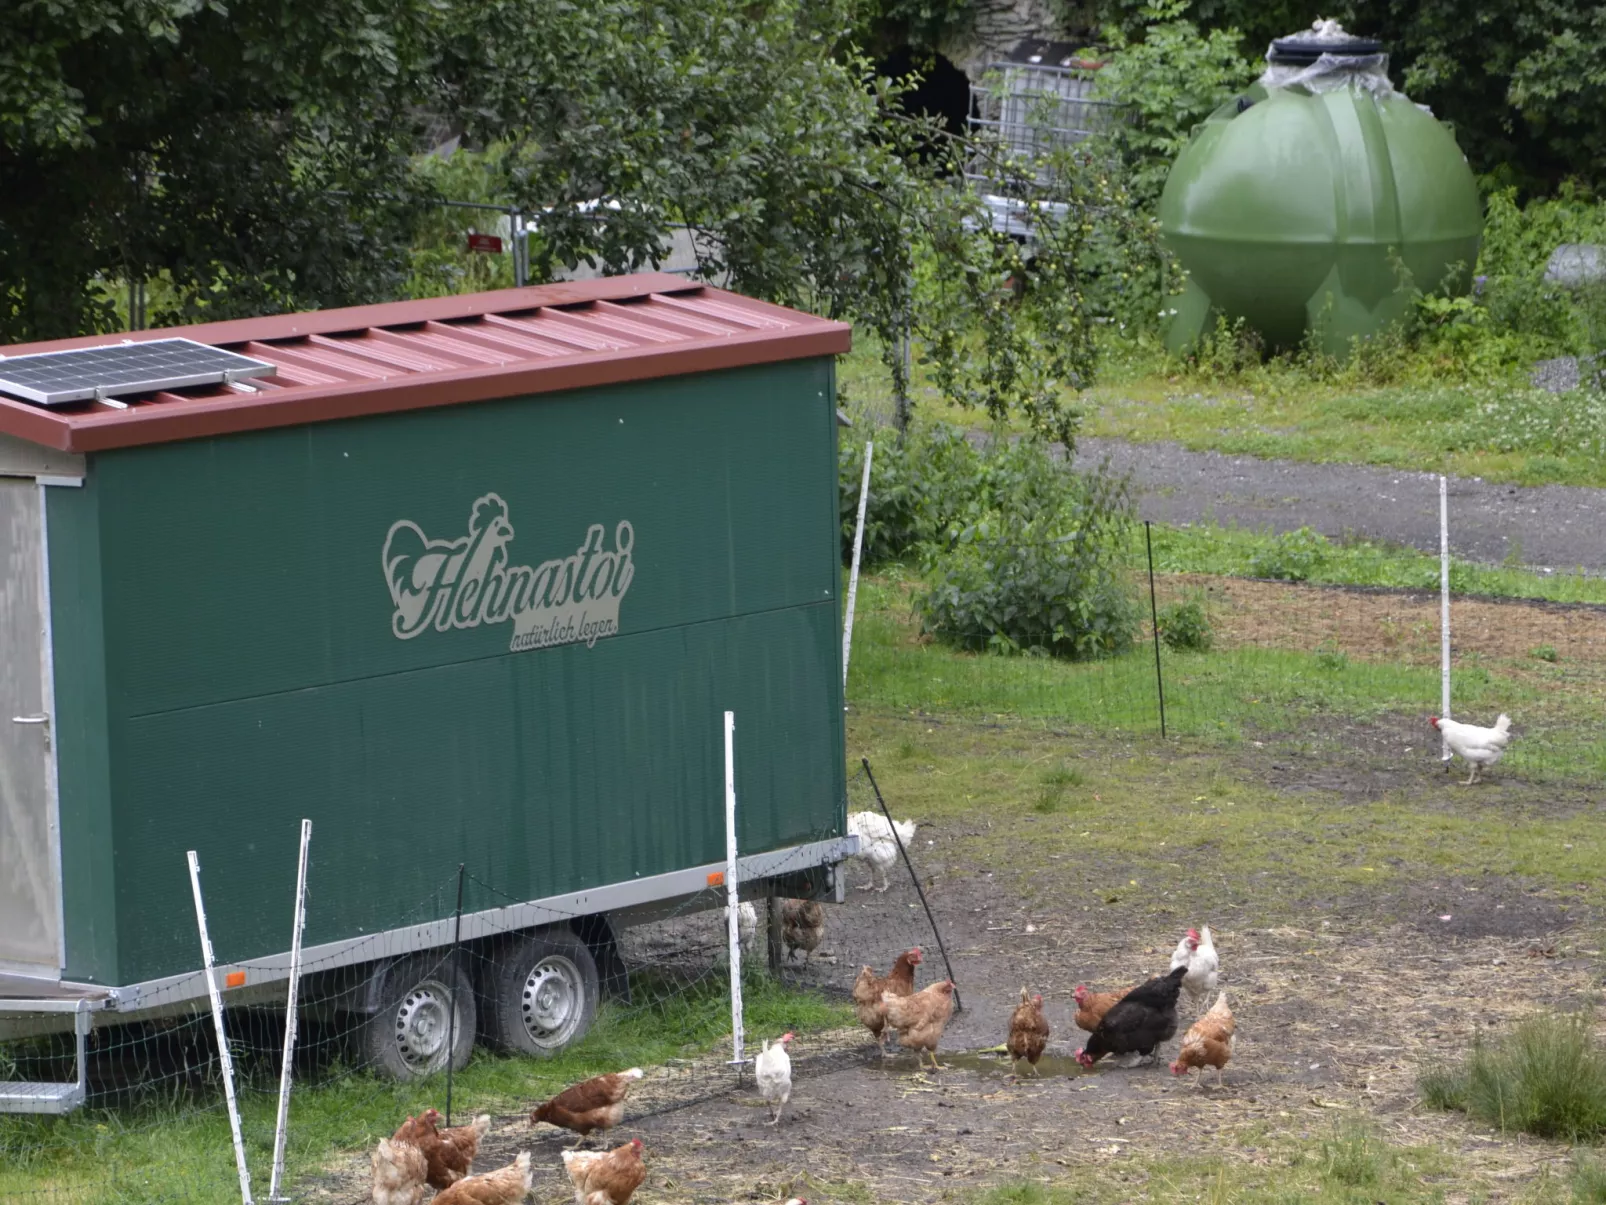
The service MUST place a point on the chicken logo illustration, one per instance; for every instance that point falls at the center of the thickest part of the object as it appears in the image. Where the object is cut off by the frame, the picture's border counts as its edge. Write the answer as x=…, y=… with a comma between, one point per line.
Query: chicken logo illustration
x=469, y=581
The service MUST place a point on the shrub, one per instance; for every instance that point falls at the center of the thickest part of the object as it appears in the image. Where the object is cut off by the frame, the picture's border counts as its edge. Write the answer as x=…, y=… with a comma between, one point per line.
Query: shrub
x=1547, y=1077
x=1185, y=626
x=1293, y=557
x=917, y=484
x=1034, y=562
x=1517, y=243
x=1172, y=79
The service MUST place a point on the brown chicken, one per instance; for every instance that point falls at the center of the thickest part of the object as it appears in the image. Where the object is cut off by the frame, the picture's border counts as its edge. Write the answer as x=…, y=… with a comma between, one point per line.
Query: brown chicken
x=920, y=1019
x=802, y=927
x=867, y=990
x=1208, y=1042
x=400, y=1173
x=1028, y=1031
x=605, y=1177
x=595, y=1104
x=1091, y=1006
x=505, y=1186
x=449, y=1153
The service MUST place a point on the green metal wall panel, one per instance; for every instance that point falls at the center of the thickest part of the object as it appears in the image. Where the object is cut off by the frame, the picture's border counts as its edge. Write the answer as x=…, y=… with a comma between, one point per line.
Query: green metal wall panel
x=255, y=674
x=83, y=771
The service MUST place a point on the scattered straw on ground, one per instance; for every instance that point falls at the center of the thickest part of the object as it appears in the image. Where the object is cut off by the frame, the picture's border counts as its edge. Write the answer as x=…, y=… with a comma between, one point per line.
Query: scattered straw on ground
x=1331, y=1025
x=1390, y=625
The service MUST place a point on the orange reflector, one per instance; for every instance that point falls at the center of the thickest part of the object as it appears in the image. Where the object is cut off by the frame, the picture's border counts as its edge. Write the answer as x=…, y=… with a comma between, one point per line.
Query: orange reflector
x=234, y=979
x=717, y=879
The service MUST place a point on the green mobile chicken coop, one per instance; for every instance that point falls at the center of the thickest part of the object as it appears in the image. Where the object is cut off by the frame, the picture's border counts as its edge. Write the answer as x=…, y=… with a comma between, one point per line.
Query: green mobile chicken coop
x=466, y=580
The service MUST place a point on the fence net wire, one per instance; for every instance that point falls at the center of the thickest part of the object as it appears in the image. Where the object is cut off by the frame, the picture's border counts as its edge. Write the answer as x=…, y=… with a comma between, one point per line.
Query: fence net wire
x=1279, y=649
x=373, y=1047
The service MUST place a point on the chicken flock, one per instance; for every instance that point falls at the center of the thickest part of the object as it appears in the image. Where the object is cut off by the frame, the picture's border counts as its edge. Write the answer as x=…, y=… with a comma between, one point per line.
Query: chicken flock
x=1135, y=1022
x=1130, y=1023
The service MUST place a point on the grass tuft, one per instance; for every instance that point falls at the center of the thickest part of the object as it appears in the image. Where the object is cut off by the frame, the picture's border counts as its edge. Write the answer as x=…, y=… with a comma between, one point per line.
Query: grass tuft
x=1444, y=1086
x=1063, y=776
x=1355, y=1157
x=1589, y=1179
x=1547, y=1078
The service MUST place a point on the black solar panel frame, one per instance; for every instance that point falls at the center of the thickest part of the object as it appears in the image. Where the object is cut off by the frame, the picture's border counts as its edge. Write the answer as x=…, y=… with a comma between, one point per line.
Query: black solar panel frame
x=221, y=366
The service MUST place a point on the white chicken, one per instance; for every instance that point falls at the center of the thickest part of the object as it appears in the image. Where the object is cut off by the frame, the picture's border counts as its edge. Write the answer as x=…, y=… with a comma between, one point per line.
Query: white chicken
x=747, y=927
x=1478, y=747
x=878, y=845
x=1197, y=952
x=773, y=1071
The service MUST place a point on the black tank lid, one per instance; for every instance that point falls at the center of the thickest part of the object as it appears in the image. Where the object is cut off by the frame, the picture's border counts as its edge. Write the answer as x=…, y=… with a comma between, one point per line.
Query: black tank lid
x=1302, y=50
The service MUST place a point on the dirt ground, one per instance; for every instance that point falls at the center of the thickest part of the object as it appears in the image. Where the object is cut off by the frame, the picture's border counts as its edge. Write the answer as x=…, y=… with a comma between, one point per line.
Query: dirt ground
x=1393, y=624
x=1339, y=1007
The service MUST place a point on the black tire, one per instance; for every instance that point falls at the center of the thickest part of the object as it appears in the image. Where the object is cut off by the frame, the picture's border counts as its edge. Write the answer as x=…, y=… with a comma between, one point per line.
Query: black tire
x=406, y=1036
x=541, y=994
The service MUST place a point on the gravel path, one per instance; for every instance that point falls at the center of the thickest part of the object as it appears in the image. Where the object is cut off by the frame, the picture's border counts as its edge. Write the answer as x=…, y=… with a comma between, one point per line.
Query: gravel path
x=1554, y=526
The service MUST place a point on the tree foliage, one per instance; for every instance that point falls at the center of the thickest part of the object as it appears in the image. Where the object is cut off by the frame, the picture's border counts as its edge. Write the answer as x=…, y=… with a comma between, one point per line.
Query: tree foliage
x=258, y=155
x=1170, y=76
x=203, y=141
x=1522, y=81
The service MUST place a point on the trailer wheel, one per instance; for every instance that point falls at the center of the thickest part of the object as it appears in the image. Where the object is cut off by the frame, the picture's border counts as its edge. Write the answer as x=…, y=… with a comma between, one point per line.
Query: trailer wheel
x=407, y=1035
x=543, y=994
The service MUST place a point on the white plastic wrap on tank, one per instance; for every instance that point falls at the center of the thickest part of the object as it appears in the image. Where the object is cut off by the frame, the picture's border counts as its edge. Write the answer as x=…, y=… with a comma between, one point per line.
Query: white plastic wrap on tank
x=1367, y=72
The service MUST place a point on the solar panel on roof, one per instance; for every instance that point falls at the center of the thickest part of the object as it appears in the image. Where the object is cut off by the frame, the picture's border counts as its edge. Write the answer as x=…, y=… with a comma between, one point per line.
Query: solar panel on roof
x=53, y=378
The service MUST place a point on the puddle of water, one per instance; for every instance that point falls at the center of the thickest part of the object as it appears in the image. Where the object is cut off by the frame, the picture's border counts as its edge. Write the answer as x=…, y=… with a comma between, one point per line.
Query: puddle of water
x=1049, y=1066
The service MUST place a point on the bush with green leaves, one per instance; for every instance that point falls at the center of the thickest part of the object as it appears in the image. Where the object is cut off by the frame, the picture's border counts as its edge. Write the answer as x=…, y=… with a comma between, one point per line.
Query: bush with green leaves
x=1170, y=79
x=918, y=484
x=1036, y=563
x=1185, y=626
x=1517, y=245
x=1293, y=557
x=1547, y=1077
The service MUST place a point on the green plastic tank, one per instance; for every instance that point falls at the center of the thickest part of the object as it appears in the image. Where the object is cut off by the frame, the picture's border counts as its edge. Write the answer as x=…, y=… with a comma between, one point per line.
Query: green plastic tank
x=1316, y=200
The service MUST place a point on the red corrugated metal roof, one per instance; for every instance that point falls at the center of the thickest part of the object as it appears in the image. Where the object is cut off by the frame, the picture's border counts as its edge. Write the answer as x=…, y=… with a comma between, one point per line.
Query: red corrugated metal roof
x=407, y=355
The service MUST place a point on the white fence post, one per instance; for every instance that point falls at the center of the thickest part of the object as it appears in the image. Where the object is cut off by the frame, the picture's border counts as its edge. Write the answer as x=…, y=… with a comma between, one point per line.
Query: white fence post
x=1444, y=611
x=732, y=891
x=853, y=577
x=222, y=1037
x=299, y=924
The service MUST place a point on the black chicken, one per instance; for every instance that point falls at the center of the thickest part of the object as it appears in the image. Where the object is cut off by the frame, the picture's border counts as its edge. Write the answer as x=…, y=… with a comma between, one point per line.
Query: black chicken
x=1139, y=1021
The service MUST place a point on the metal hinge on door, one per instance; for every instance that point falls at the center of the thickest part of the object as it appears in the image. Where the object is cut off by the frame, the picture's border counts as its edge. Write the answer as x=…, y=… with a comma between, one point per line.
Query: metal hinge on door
x=34, y=719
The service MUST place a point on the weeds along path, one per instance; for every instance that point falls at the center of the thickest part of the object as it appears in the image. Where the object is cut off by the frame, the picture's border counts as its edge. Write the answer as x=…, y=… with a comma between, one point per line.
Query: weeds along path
x=1561, y=527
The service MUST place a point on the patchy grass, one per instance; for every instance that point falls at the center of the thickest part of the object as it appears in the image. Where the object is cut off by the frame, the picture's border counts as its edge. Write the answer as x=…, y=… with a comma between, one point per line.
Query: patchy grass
x=1496, y=428
x=1286, y=661
x=1241, y=552
x=1352, y=1164
x=1188, y=805
x=162, y=1152
x=1589, y=1179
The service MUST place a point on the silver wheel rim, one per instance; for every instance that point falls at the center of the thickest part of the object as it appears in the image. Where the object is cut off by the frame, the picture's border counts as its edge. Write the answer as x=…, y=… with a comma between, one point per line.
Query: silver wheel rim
x=552, y=1001
x=423, y=1026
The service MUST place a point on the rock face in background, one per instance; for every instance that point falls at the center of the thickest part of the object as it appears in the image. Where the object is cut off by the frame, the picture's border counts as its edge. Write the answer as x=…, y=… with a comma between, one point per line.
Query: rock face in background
x=1000, y=26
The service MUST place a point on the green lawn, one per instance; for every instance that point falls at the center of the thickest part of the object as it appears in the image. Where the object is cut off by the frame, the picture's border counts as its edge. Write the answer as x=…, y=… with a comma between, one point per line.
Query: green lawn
x=1226, y=694
x=1240, y=552
x=1498, y=429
